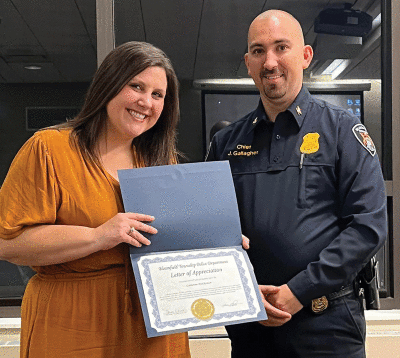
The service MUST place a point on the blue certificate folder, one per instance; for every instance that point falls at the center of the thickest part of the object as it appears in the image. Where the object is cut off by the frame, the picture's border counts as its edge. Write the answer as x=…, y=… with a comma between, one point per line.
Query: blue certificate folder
x=195, y=208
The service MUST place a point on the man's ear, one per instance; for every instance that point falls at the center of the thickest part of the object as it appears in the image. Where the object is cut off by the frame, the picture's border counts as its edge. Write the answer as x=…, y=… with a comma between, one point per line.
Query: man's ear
x=246, y=61
x=308, y=56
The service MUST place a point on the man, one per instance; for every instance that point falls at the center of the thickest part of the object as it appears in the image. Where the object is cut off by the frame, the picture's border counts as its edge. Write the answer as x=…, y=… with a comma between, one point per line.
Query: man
x=311, y=200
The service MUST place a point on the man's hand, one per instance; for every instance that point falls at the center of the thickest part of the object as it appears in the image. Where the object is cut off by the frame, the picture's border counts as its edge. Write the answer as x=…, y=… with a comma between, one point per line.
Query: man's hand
x=276, y=317
x=282, y=299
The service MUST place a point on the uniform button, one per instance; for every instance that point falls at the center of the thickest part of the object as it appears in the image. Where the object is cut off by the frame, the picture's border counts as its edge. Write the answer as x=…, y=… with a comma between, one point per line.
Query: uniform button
x=278, y=137
x=276, y=159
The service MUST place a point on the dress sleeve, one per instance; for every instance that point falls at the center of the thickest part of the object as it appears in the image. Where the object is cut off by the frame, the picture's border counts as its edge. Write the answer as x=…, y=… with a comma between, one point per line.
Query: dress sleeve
x=29, y=194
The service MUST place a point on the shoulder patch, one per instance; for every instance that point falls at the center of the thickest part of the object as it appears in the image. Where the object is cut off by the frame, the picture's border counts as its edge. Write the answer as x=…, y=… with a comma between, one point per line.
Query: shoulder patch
x=361, y=133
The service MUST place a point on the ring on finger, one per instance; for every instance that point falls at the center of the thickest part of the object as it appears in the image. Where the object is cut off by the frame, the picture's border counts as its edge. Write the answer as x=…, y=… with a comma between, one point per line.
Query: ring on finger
x=131, y=230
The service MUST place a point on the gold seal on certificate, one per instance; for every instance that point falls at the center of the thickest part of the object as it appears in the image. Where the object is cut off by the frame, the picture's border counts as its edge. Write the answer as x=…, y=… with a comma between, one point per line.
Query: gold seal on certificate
x=203, y=309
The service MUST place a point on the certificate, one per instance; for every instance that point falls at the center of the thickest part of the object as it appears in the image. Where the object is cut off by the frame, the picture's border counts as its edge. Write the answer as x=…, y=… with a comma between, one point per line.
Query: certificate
x=195, y=274
x=195, y=289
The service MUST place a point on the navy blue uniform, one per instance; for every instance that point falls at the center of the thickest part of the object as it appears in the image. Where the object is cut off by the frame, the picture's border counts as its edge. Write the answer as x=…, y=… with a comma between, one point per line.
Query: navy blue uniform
x=313, y=219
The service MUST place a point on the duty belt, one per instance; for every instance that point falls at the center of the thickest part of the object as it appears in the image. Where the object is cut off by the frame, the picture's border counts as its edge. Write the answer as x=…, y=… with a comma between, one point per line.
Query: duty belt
x=318, y=305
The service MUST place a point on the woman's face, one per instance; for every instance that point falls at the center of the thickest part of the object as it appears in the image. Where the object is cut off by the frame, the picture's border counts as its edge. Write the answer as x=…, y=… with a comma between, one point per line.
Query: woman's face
x=137, y=107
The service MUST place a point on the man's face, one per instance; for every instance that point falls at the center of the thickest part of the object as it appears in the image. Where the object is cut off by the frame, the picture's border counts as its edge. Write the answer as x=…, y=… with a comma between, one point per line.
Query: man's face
x=276, y=58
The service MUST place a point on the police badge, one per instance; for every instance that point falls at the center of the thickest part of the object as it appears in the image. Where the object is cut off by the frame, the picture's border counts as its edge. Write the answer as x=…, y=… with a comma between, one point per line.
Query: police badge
x=310, y=145
x=319, y=305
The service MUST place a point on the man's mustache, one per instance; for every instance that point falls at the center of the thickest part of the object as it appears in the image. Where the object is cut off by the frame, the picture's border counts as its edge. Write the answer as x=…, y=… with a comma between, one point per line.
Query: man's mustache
x=269, y=73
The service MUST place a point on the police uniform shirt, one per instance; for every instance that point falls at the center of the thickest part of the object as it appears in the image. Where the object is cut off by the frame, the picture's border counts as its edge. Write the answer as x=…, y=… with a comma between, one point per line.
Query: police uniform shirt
x=310, y=193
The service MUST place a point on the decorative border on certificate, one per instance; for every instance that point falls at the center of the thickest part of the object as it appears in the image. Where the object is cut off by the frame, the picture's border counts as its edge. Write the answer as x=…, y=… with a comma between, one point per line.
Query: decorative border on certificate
x=185, y=289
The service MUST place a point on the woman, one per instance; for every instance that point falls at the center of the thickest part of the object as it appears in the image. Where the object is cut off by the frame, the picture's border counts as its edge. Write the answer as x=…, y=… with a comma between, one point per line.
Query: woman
x=62, y=213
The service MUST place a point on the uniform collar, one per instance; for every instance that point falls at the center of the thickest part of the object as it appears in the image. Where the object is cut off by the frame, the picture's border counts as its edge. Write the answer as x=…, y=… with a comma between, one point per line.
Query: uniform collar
x=300, y=106
x=298, y=109
x=258, y=116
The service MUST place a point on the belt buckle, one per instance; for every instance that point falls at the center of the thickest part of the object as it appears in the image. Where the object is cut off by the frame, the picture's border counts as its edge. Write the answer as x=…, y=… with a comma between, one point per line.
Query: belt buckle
x=319, y=305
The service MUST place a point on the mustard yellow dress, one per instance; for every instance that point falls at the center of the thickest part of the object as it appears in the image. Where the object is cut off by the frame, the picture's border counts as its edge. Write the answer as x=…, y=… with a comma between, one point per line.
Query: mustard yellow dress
x=87, y=307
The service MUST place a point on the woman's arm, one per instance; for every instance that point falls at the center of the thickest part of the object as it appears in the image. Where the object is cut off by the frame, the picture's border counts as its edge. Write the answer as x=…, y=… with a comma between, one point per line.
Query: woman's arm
x=53, y=244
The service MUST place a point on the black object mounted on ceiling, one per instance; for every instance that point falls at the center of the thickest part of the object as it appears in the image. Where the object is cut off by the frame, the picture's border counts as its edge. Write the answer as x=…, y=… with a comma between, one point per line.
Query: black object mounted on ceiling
x=343, y=21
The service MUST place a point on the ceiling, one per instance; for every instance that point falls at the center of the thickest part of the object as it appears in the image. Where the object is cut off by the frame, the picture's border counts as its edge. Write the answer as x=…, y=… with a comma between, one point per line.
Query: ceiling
x=204, y=38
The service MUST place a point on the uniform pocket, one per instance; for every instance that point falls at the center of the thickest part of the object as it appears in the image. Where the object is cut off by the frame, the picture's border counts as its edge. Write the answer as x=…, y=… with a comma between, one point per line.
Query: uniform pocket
x=301, y=194
x=316, y=185
x=356, y=315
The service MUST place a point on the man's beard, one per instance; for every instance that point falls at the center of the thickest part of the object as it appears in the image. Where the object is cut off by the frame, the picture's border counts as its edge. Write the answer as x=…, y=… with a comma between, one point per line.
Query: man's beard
x=272, y=91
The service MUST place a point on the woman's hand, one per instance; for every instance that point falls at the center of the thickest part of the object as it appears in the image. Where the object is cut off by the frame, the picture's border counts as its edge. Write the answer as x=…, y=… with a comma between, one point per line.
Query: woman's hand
x=42, y=245
x=245, y=242
x=124, y=227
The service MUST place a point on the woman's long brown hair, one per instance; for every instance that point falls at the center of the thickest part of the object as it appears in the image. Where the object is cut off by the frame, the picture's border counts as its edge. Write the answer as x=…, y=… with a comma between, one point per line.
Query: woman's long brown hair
x=157, y=146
